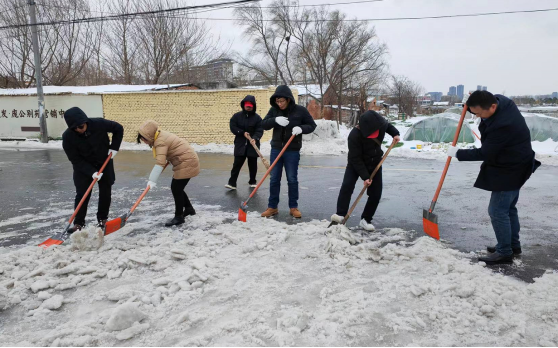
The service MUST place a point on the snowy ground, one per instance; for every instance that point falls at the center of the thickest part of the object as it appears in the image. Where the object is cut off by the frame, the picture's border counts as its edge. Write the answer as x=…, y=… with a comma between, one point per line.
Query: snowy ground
x=219, y=282
x=327, y=140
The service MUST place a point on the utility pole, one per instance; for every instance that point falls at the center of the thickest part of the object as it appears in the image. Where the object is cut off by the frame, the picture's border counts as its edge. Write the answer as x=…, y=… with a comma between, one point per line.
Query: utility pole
x=38, y=74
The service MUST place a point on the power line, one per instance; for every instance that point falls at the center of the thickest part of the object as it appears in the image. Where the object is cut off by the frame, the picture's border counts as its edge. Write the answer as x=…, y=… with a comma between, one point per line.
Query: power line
x=399, y=18
x=126, y=15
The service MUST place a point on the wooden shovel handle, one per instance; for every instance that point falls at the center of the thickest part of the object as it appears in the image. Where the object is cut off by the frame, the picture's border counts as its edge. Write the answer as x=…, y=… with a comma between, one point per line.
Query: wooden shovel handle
x=366, y=187
x=265, y=162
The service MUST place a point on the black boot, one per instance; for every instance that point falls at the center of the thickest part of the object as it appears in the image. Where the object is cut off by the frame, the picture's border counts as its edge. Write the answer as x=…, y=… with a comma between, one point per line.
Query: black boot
x=492, y=249
x=75, y=228
x=177, y=220
x=496, y=258
x=101, y=223
x=188, y=212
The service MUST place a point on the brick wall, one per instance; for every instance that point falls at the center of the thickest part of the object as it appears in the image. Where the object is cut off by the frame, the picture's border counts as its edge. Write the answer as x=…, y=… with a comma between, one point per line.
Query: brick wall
x=200, y=116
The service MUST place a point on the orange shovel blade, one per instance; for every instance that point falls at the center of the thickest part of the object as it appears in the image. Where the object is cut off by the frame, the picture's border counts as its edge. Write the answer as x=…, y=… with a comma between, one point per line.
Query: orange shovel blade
x=50, y=242
x=430, y=224
x=113, y=225
x=241, y=215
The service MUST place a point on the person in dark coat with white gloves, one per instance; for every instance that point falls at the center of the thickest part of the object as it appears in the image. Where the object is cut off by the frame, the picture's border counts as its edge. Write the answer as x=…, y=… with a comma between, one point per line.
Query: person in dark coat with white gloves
x=508, y=160
x=286, y=118
x=87, y=146
x=365, y=153
x=245, y=122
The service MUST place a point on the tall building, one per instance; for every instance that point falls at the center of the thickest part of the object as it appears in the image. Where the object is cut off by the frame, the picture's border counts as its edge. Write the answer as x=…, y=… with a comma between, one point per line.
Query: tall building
x=479, y=88
x=452, y=91
x=554, y=94
x=484, y=88
x=215, y=72
x=460, y=91
x=436, y=96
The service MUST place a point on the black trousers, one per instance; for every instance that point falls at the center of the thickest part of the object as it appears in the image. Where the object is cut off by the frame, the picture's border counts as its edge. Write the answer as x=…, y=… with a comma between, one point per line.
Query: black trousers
x=237, y=166
x=82, y=184
x=181, y=201
x=374, y=193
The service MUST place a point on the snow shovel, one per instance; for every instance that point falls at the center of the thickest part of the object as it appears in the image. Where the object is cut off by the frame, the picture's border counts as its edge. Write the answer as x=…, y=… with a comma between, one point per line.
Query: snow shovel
x=60, y=238
x=244, y=206
x=364, y=188
x=429, y=219
x=265, y=162
x=116, y=224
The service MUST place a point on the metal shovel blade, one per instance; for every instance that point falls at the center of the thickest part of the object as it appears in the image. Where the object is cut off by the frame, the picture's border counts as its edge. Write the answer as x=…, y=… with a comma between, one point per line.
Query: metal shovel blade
x=430, y=224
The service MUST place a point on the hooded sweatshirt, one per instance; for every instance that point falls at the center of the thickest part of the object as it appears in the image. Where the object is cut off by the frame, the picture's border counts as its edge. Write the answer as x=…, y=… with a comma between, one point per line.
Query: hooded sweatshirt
x=88, y=151
x=250, y=122
x=297, y=115
x=365, y=152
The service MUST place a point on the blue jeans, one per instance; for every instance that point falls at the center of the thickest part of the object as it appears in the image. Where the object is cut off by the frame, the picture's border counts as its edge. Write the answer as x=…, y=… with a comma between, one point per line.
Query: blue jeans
x=289, y=160
x=505, y=221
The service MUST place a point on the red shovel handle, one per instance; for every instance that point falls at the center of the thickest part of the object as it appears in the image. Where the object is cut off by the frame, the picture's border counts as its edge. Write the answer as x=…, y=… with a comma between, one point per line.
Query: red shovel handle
x=448, y=161
x=89, y=190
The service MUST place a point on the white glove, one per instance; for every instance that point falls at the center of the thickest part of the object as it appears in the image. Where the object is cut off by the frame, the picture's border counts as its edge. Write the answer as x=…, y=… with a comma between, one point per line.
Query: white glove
x=154, y=176
x=151, y=185
x=97, y=176
x=282, y=121
x=114, y=152
x=297, y=130
x=452, y=151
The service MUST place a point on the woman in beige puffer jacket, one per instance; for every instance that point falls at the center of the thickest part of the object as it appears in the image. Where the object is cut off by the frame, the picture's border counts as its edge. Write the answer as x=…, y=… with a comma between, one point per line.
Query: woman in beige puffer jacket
x=185, y=165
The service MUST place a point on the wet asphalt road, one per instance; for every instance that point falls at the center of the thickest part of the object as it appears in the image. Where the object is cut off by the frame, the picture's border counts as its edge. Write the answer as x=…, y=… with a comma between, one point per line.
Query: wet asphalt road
x=36, y=194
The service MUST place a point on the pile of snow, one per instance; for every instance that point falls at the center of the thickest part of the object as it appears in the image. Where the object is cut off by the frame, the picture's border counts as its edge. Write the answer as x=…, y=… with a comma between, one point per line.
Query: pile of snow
x=216, y=281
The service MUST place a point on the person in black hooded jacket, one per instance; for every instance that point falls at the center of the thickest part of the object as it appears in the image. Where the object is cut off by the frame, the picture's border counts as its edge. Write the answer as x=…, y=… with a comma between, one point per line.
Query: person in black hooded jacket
x=286, y=118
x=245, y=122
x=365, y=152
x=87, y=146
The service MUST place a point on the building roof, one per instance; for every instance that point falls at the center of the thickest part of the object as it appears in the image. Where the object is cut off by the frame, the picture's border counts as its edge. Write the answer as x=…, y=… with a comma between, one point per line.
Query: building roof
x=441, y=103
x=50, y=90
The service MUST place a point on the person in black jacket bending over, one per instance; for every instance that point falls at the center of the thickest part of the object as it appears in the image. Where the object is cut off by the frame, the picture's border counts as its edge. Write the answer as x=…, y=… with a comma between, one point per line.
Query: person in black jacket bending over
x=365, y=152
x=245, y=122
x=286, y=118
x=87, y=146
x=508, y=161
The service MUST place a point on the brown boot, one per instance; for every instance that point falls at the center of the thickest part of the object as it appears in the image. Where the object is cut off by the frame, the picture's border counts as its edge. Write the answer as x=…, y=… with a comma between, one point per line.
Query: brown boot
x=296, y=213
x=270, y=212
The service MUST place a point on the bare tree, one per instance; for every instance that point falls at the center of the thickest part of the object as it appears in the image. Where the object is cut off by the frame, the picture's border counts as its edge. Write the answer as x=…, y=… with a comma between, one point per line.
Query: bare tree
x=405, y=93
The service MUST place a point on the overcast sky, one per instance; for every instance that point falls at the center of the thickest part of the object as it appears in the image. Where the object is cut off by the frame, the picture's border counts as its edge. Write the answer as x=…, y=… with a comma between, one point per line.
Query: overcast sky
x=513, y=53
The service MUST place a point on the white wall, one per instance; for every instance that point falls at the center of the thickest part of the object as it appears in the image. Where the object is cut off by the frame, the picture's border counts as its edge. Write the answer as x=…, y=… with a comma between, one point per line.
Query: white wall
x=26, y=109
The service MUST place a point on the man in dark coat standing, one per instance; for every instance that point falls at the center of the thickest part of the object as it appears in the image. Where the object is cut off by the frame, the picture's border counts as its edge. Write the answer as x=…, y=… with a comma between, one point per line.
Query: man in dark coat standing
x=245, y=122
x=286, y=118
x=365, y=153
x=508, y=161
x=87, y=146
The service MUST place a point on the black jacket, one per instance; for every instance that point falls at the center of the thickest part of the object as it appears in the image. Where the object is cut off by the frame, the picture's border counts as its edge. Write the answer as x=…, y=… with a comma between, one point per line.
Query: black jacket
x=88, y=151
x=365, y=153
x=508, y=159
x=250, y=122
x=298, y=117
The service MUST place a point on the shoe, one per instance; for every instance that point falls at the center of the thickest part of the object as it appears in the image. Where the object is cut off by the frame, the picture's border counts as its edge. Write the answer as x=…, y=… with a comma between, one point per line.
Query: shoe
x=253, y=184
x=75, y=228
x=189, y=212
x=230, y=187
x=337, y=218
x=367, y=225
x=101, y=223
x=295, y=213
x=492, y=249
x=496, y=258
x=175, y=221
x=270, y=212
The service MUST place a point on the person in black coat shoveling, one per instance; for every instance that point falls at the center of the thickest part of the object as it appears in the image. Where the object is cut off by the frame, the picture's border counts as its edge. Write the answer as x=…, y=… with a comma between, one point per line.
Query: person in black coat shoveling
x=365, y=153
x=508, y=161
x=87, y=146
x=245, y=122
x=286, y=118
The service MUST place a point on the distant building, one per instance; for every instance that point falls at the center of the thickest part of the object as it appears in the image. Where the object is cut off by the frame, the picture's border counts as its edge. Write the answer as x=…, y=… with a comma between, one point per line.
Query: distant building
x=484, y=88
x=216, y=73
x=436, y=96
x=452, y=90
x=424, y=100
x=554, y=94
x=460, y=91
x=479, y=88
